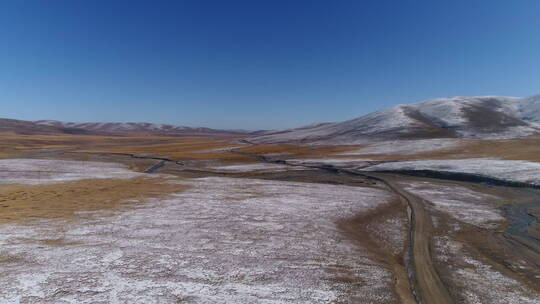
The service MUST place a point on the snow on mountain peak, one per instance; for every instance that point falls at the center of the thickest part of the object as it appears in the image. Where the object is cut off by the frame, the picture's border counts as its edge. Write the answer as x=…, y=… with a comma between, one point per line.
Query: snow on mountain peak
x=460, y=116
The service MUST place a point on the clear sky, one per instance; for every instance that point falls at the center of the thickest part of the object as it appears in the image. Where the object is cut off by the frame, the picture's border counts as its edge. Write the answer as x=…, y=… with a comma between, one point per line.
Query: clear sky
x=258, y=64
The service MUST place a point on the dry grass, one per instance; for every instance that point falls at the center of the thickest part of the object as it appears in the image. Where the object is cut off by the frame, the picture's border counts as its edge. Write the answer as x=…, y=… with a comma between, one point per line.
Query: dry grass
x=19, y=202
x=299, y=151
x=197, y=148
x=200, y=148
x=186, y=148
x=10, y=140
x=177, y=147
x=515, y=149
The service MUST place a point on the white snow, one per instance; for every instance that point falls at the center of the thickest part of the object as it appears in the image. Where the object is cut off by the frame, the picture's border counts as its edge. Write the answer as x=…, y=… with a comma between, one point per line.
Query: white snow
x=391, y=119
x=477, y=282
x=222, y=241
x=461, y=203
x=529, y=109
x=115, y=126
x=39, y=171
x=506, y=117
x=447, y=111
x=507, y=170
x=407, y=147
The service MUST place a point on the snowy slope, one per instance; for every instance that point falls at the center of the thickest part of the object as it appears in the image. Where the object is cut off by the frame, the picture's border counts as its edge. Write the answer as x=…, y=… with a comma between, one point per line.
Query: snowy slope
x=505, y=170
x=380, y=122
x=529, y=109
x=457, y=117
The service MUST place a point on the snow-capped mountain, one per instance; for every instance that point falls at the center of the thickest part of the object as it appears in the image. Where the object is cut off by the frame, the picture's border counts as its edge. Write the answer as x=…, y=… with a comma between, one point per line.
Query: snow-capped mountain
x=102, y=128
x=458, y=117
x=121, y=126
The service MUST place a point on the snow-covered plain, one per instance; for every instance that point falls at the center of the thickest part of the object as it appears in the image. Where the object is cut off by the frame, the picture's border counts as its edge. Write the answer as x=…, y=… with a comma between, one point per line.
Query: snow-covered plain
x=407, y=147
x=506, y=170
x=39, y=171
x=461, y=203
x=223, y=240
x=477, y=282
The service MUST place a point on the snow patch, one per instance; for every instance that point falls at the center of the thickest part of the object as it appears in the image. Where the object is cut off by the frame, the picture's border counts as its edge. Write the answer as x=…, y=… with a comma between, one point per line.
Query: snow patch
x=478, y=282
x=41, y=171
x=506, y=170
x=461, y=203
x=407, y=147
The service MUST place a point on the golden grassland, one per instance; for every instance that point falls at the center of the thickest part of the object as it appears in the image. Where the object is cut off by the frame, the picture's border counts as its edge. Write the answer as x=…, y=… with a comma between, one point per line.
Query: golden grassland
x=201, y=148
x=180, y=147
x=10, y=141
x=64, y=200
x=187, y=148
x=297, y=151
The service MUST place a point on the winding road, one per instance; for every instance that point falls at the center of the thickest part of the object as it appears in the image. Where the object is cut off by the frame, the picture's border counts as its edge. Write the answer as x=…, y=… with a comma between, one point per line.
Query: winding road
x=426, y=285
x=425, y=281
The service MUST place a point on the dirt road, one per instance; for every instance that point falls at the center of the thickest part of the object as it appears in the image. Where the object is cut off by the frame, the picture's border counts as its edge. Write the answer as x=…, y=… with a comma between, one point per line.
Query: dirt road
x=427, y=286
x=425, y=282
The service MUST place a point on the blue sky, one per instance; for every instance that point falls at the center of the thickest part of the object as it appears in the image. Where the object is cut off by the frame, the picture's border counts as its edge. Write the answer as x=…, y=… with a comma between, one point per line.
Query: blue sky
x=258, y=64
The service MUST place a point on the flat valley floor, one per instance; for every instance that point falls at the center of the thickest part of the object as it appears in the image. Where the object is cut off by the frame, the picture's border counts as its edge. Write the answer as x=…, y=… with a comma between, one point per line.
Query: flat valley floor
x=148, y=219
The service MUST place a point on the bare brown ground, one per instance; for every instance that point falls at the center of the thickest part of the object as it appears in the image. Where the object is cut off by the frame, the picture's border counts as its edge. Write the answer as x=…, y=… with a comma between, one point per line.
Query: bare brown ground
x=428, y=286
x=359, y=229
x=64, y=200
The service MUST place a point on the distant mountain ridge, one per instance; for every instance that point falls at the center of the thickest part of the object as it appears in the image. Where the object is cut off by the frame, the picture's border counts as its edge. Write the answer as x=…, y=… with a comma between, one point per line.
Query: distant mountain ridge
x=103, y=128
x=122, y=126
x=457, y=117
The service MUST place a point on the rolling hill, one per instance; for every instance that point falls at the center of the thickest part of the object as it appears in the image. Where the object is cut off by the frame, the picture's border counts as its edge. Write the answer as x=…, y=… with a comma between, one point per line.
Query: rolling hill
x=103, y=128
x=484, y=117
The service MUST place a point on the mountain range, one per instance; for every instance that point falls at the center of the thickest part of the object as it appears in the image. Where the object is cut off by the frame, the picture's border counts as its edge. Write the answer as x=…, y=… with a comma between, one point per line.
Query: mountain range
x=105, y=128
x=484, y=117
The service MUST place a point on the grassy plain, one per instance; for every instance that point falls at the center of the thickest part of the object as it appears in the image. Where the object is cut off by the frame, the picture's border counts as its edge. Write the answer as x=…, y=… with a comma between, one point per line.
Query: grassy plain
x=65, y=200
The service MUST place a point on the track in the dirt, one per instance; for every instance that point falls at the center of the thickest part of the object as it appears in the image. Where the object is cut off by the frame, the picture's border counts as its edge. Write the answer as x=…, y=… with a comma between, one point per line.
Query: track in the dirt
x=425, y=282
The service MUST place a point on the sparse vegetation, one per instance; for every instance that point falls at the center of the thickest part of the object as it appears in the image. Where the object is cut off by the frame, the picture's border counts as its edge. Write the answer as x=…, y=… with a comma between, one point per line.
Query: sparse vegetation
x=66, y=200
